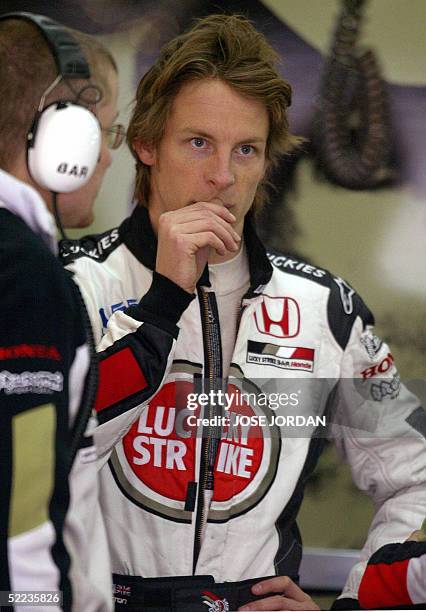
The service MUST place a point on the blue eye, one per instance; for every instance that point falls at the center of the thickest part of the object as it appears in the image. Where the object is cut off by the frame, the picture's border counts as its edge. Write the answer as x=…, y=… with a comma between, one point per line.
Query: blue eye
x=198, y=143
x=246, y=149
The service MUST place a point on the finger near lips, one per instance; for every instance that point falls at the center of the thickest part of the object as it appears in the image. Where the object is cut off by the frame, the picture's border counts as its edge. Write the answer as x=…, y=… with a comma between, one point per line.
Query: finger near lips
x=209, y=215
x=220, y=209
x=223, y=233
x=188, y=222
x=210, y=239
x=187, y=215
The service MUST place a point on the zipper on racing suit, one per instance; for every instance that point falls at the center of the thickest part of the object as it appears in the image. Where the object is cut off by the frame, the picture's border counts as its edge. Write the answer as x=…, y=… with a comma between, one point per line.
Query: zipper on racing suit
x=211, y=435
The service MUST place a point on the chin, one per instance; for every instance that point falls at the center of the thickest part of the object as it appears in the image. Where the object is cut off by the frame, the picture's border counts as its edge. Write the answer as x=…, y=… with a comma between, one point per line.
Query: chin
x=79, y=223
x=86, y=222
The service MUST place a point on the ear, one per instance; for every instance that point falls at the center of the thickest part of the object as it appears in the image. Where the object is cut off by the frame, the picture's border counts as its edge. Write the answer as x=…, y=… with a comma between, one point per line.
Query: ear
x=146, y=153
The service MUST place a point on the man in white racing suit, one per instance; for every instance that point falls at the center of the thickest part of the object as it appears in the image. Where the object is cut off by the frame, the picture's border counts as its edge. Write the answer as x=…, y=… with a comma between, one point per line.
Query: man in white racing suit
x=200, y=496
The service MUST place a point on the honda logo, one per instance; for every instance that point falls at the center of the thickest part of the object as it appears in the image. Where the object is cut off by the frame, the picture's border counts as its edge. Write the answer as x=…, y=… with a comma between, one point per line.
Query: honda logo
x=278, y=317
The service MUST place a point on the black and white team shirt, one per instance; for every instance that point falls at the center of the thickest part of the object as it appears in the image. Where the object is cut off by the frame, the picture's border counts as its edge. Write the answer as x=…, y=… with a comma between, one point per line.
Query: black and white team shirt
x=51, y=533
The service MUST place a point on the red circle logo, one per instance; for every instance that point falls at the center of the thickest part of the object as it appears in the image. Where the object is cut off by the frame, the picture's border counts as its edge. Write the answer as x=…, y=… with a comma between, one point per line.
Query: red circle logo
x=162, y=452
x=160, y=445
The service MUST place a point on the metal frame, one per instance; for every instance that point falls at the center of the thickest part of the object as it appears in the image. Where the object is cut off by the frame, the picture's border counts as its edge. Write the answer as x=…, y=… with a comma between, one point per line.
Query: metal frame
x=326, y=569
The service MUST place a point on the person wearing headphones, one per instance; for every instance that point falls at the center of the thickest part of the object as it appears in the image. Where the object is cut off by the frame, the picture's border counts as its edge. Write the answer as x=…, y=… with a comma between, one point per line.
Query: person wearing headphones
x=57, y=114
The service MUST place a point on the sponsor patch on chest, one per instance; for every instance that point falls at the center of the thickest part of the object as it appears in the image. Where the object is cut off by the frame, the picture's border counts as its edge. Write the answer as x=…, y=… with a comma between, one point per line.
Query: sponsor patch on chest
x=278, y=317
x=284, y=357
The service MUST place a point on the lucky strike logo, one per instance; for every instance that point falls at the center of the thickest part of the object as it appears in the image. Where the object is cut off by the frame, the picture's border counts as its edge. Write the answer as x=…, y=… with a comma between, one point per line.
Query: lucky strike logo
x=161, y=446
x=239, y=455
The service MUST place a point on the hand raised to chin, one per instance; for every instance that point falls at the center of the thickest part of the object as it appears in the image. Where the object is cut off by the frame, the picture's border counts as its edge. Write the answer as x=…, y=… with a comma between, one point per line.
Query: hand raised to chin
x=186, y=236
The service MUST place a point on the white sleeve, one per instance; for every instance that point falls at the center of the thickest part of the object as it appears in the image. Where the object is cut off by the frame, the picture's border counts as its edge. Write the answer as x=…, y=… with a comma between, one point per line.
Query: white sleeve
x=380, y=431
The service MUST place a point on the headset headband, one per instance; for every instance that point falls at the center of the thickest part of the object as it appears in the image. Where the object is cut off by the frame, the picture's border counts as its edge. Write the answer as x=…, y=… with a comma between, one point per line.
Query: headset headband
x=66, y=51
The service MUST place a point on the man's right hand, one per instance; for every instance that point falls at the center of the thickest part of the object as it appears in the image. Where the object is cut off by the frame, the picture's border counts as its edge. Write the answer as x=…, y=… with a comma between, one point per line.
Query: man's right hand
x=187, y=235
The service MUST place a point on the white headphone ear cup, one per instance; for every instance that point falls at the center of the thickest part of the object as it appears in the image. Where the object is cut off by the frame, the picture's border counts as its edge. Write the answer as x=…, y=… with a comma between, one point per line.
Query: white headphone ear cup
x=65, y=148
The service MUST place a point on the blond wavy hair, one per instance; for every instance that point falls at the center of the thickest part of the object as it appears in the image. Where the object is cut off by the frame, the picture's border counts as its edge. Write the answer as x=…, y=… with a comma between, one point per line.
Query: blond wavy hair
x=225, y=47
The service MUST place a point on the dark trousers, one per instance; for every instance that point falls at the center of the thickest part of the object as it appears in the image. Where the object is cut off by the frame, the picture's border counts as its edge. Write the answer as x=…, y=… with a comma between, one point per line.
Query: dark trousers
x=180, y=594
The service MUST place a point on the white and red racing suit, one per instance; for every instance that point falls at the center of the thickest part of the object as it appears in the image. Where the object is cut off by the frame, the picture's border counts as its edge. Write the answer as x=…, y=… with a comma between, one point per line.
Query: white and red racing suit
x=302, y=333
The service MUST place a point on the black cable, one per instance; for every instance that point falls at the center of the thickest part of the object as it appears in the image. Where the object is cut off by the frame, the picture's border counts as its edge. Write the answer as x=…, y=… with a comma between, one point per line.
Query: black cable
x=58, y=216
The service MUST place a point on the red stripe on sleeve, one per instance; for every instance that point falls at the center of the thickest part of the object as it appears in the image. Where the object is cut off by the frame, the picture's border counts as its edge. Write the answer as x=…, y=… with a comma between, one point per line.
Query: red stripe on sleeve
x=384, y=584
x=120, y=376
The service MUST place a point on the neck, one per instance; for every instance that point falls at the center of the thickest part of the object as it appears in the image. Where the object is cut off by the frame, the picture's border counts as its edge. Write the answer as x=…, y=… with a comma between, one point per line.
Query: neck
x=214, y=258
x=20, y=171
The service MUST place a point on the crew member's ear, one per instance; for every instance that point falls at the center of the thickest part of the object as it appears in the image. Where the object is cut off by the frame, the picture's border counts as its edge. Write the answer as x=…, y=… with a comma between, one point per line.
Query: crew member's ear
x=146, y=153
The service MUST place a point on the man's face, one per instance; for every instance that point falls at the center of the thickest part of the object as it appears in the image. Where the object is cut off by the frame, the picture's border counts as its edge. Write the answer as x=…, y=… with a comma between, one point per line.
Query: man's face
x=213, y=150
x=76, y=208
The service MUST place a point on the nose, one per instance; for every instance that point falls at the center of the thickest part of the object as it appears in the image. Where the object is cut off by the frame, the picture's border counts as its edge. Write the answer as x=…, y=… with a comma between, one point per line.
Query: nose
x=220, y=173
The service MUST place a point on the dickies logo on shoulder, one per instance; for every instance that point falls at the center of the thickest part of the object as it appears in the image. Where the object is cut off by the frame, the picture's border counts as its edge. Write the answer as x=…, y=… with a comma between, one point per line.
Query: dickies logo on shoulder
x=284, y=357
x=278, y=317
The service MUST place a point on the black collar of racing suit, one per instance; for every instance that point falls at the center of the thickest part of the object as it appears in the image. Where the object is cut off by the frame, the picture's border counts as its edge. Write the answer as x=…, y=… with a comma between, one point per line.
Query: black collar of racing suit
x=138, y=235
